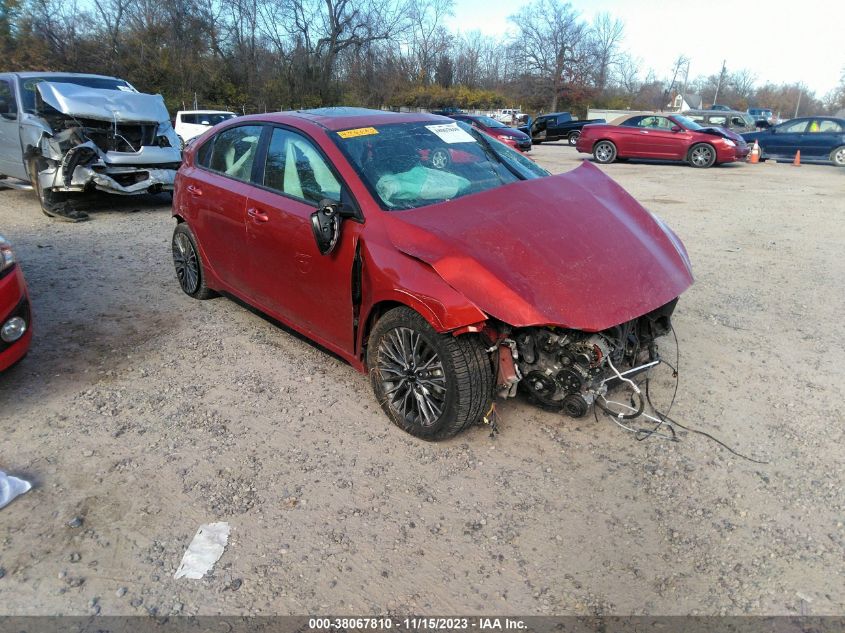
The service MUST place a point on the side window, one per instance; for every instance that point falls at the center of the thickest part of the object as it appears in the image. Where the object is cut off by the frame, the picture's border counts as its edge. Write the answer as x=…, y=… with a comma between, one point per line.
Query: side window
x=8, y=106
x=797, y=127
x=190, y=119
x=204, y=153
x=635, y=121
x=295, y=167
x=658, y=122
x=830, y=127
x=234, y=151
x=737, y=121
x=718, y=120
x=698, y=118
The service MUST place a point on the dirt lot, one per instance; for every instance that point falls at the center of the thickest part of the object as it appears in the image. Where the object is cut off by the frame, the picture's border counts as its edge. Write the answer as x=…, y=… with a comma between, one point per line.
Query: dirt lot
x=140, y=414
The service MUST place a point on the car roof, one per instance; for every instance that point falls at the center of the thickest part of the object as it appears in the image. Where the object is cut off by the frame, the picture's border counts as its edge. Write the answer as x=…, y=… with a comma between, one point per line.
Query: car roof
x=625, y=117
x=206, y=112
x=713, y=112
x=35, y=75
x=339, y=118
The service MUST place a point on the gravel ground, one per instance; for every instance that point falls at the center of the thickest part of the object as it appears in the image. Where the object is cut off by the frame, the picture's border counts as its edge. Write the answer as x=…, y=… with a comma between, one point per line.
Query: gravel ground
x=140, y=414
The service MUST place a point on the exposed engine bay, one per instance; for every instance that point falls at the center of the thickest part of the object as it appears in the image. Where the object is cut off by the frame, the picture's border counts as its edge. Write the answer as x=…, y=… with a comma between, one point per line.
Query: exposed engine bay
x=571, y=370
x=110, y=140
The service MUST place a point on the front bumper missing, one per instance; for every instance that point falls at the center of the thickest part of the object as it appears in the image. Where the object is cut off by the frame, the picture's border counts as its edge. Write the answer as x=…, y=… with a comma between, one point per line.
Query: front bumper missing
x=85, y=166
x=123, y=180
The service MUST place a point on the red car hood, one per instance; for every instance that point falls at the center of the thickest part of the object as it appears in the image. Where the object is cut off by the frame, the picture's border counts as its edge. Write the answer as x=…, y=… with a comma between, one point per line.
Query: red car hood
x=573, y=250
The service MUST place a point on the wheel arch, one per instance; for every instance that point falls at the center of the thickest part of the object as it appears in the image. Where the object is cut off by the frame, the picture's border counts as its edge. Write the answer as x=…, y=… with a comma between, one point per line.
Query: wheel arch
x=710, y=145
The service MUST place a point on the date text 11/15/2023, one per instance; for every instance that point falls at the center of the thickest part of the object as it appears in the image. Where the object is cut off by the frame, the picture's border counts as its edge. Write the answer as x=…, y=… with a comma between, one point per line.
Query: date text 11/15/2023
x=422, y=623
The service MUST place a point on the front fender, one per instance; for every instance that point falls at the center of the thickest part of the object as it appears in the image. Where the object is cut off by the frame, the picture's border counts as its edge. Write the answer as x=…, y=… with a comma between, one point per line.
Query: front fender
x=390, y=276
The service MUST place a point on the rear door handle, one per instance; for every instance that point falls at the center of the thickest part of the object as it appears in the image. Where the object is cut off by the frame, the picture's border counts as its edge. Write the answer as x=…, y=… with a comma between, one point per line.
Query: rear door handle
x=194, y=190
x=258, y=216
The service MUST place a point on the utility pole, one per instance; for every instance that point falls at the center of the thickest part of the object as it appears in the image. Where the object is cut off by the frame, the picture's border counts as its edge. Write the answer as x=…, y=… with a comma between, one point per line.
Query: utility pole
x=719, y=84
x=797, y=105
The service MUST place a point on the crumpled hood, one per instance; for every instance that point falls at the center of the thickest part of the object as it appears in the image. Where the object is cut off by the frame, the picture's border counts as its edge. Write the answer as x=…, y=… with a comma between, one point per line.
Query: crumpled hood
x=104, y=105
x=573, y=250
x=723, y=132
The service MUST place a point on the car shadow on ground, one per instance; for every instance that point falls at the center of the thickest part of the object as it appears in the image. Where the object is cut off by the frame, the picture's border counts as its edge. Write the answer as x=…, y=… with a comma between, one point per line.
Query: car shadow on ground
x=98, y=201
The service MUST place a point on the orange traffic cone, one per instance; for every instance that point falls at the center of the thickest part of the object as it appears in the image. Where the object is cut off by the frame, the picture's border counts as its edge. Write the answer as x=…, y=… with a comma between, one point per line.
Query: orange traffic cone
x=754, y=156
x=797, y=161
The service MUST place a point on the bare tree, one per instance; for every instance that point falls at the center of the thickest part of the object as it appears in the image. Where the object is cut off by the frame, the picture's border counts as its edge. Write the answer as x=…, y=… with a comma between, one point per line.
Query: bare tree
x=605, y=36
x=548, y=41
x=428, y=39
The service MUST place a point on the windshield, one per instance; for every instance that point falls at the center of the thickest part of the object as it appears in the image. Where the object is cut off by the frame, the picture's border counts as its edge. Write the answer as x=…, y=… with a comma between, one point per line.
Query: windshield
x=687, y=122
x=101, y=83
x=411, y=165
x=487, y=121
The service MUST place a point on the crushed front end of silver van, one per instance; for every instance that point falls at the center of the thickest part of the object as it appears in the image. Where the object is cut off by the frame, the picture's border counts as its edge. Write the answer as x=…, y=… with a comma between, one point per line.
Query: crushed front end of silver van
x=82, y=138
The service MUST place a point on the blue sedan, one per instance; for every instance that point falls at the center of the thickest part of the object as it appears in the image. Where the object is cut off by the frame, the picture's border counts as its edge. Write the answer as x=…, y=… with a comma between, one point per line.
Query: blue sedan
x=818, y=138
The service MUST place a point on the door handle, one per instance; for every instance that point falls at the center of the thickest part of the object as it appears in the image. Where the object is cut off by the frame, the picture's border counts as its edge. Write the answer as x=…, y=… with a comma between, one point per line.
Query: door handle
x=258, y=216
x=643, y=131
x=194, y=190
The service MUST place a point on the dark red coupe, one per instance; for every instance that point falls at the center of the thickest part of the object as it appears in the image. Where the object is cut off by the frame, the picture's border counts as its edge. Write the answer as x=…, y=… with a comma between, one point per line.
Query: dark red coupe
x=440, y=261
x=663, y=137
x=15, y=318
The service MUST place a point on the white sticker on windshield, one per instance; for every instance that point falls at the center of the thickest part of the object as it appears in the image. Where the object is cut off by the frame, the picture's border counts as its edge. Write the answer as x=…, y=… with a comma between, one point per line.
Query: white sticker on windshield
x=451, y=133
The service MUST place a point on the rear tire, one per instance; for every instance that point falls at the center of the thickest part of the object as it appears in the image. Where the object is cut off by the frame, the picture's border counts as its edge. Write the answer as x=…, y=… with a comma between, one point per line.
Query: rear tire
x=604, y=152
x=838, y=156
x=573, y=138
x=188, y=264
x=430, y=385
x=701, y=156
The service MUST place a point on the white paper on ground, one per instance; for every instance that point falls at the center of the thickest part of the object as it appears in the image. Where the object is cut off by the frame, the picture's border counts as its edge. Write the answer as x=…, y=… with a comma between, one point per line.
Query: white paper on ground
x=11, y=487
x=205, y=550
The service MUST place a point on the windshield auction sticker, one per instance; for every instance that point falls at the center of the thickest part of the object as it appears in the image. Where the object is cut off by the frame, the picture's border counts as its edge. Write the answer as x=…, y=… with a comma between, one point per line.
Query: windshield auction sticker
x=359, y=131
x=450, y=133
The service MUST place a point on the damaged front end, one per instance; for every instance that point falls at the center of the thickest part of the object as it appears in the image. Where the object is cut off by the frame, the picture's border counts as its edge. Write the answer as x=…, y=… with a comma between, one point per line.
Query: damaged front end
x=570, y=370
x=109, y=140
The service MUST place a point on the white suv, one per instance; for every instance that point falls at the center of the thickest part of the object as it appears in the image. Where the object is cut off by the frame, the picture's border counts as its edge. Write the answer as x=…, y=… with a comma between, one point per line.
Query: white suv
x=191, y=123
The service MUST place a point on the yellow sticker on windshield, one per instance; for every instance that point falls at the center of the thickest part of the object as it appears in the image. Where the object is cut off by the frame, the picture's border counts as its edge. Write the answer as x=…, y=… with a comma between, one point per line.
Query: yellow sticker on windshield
x=360, y=131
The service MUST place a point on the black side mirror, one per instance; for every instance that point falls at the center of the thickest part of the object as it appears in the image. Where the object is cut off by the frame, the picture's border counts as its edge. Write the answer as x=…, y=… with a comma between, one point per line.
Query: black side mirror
x=326, y=222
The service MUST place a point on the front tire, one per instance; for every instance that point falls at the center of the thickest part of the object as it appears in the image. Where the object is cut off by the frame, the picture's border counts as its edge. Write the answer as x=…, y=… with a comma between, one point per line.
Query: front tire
x=838, y=156
x=53, y=205
x=573, y=138
x=702, y=156
x=604, y=152
x=188, y=264
x=430, y=385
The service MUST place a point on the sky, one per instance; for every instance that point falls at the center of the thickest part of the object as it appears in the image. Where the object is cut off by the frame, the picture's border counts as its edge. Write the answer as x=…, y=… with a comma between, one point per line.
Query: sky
x=778, y=42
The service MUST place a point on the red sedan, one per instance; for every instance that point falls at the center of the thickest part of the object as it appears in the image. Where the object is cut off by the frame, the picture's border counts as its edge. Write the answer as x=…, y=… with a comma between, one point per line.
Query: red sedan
x=15, y=320
x=498, y=130
x=663, y=137
x=448, y=281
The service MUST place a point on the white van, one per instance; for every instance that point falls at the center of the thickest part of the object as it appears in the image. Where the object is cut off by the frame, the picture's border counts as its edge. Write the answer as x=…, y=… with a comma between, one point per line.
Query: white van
x=190, y=124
